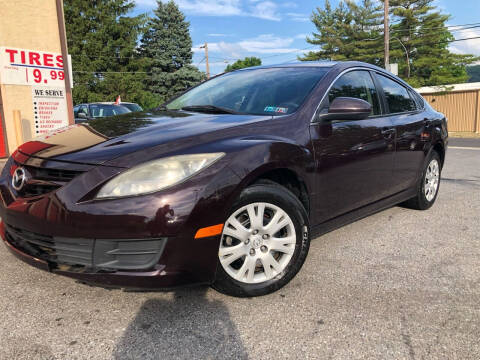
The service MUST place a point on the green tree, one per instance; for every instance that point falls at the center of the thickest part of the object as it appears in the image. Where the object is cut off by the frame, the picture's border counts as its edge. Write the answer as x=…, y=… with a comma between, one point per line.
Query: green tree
x=102, y=40
x=347, y=32
x=353, y=31
x=245, y=63
x=422, y=30
x=167, y=49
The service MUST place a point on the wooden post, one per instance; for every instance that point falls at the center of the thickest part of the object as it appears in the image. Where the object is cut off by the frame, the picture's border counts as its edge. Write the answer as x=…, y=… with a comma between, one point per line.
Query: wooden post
x=17, y=119
x=386, y=35
x=206, y=61
x=66, y=65
x=477, y=114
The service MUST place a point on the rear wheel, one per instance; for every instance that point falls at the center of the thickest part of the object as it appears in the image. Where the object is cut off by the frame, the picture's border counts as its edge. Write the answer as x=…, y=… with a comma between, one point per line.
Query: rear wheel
x=427, y=190
x=264, y=242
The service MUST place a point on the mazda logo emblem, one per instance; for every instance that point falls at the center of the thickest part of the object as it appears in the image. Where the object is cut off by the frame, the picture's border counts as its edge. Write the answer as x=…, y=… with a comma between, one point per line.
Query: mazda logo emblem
x=18, y=179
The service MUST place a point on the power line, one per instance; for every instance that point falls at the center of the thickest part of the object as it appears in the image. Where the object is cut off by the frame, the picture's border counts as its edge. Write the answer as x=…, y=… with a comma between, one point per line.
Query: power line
x=113, y=72
x=446, y=41
x=394, y=32
x=201, y=61
x=421, y=34
x=424, y=30
x=467, y=26
x=266, y=57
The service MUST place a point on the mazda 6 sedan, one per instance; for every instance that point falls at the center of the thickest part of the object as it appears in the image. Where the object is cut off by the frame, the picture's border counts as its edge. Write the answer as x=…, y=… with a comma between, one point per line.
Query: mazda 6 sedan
x=225, y=184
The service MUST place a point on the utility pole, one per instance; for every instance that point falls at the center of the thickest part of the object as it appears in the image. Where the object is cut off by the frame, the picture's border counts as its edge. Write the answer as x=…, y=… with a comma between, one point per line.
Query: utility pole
x=66, y=64
x=206, y=59
x=386, y=35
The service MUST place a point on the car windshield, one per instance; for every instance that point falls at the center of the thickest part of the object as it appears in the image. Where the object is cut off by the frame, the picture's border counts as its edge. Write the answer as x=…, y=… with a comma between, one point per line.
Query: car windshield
x=100, y=110
x=132, y=107
x=267, y=91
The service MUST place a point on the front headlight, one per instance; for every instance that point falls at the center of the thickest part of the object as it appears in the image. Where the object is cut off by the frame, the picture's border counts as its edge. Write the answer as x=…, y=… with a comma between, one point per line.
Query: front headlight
x=156, y=175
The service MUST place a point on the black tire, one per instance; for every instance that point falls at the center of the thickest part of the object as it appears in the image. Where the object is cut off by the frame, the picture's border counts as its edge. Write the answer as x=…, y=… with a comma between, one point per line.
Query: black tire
x=420, y=202
x=279, y=196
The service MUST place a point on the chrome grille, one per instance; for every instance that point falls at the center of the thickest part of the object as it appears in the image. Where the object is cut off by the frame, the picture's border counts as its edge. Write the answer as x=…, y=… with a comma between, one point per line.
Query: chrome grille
x=44, y=180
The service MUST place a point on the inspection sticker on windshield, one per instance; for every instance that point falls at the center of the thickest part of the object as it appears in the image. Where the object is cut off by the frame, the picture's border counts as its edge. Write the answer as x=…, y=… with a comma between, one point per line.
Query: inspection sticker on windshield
x=276, y=109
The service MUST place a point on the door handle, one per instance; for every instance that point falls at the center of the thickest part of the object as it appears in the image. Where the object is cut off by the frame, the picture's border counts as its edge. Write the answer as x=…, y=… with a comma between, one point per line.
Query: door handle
x=388, y=133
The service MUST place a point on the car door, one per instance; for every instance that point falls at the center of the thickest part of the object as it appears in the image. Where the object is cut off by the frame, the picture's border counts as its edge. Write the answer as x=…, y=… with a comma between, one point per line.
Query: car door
x=354, y=158
x=409, y=121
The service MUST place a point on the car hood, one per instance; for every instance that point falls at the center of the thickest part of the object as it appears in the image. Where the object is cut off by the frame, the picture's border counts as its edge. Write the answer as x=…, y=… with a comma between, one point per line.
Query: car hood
x=102, y=140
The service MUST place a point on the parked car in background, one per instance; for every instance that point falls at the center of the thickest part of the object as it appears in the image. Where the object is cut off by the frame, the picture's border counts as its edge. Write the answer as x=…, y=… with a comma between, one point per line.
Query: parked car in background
x=133, y=107
x=87, y=112
x=225, y=184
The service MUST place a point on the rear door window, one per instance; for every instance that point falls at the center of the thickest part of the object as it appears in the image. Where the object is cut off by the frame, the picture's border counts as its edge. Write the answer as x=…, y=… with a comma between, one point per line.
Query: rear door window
x=418, y=99
x=396, y=95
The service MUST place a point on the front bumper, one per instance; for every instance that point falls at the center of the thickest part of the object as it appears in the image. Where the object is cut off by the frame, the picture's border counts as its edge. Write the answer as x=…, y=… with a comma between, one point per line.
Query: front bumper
x=144, y=242
x=157, y=278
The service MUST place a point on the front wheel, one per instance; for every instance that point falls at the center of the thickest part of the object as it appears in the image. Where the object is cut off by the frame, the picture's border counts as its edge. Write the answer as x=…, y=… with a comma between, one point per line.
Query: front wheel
x=264, y=242
x=427, y=190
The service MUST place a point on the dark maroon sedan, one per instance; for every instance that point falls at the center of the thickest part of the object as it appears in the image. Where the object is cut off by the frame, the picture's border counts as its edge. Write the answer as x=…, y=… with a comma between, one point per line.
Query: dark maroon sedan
x=225, y=184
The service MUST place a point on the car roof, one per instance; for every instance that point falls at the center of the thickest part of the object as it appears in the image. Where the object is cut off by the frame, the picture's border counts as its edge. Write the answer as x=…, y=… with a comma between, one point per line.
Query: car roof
x=113, y=102
x=103, y=103
x=320, y=63
x=324, y=64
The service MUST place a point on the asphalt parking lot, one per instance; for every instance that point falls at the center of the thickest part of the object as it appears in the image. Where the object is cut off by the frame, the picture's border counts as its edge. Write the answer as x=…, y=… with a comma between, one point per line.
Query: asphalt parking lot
x=401, y=284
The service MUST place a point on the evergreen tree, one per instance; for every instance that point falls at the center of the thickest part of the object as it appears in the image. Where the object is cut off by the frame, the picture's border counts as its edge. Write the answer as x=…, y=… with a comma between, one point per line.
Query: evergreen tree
x=354, y=32
x=348, y=32
x=366, y=31
x=423, y=31
x=245, y=63
x=102, y=40
x=167, y=47
x=330, y=24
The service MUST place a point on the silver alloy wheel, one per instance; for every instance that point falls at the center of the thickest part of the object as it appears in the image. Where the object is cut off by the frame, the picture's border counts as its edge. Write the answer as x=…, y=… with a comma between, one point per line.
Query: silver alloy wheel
x=258, y=242
x=432, y=178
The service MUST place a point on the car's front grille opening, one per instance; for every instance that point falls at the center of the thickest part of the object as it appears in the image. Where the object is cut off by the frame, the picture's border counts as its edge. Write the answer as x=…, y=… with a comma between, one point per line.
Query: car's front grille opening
x=38, y=189
x=96, y=254
x=64, y=250
x=42, y=181
x=53, y=174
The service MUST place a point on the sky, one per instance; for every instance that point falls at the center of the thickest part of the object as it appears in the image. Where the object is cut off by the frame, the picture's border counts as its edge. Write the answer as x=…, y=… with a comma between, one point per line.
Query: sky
x=275, y=30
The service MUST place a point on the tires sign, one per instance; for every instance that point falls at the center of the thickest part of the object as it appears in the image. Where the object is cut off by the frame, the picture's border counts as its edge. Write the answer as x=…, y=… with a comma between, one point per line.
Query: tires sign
x=30, y=67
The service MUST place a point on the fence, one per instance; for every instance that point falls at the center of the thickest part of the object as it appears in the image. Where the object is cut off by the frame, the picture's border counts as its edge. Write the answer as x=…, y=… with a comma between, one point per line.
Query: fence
x=460, y=103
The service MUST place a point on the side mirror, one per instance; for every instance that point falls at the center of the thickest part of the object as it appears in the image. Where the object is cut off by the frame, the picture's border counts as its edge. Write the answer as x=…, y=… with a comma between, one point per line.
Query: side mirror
x=82, y=115
x=347, y=108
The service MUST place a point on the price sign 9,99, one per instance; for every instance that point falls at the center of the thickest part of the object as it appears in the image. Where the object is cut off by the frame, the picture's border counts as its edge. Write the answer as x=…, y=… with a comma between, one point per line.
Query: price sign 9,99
x=28, y=67
x=40, y=76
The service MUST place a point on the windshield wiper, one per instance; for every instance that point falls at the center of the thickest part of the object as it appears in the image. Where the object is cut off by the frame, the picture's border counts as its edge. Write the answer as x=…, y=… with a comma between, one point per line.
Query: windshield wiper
x=209, y=109
x=164, y=108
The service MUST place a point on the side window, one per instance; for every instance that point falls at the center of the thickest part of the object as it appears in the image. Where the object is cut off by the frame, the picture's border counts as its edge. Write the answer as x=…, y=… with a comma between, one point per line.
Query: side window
x=83, y=109
x=397, y=96
x=418, y=99
x=356, y=84
x=75, y=110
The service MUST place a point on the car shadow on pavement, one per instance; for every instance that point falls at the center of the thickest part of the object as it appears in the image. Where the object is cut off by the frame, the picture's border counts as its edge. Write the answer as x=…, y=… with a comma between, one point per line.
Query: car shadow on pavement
x=188, y=326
